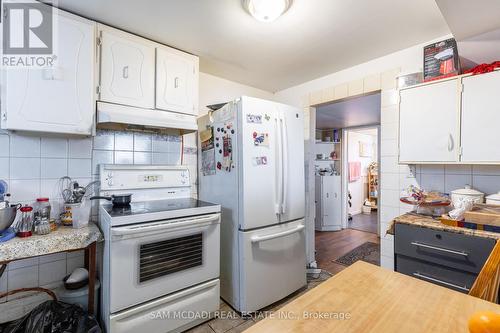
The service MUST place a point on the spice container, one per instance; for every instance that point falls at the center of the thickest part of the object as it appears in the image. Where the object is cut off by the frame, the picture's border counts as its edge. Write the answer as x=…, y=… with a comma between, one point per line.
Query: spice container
x=25, y=225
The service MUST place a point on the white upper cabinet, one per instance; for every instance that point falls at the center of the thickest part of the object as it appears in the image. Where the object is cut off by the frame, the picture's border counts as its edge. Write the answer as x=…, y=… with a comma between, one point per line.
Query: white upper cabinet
x=481, y=118
x=127, y=69
x=176, y=81
x=60, y=99
x=429, y=118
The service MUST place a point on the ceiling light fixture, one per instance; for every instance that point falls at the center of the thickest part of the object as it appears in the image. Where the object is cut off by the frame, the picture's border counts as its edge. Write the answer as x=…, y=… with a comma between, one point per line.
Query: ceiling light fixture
x=266, y=10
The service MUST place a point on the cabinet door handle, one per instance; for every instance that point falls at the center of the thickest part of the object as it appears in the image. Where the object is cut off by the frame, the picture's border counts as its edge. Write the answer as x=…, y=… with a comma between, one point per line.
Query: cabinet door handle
x=125, y=72
x=442, y=249
x=432, y=279
x=176, y=82
x=451, y=143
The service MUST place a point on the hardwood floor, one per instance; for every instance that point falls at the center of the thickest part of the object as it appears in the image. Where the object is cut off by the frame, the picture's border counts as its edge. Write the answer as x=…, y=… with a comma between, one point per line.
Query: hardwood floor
x=364, y=222
x=331, y=245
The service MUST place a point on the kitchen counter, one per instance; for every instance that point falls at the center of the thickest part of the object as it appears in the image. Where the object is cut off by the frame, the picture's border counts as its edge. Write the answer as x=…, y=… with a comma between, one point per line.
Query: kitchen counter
x=61, y=240
x=368, y=298
x=433, y=223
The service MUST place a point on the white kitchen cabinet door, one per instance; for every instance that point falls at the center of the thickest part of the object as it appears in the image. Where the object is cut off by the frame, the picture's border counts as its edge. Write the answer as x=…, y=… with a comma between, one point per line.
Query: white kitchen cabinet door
x=329, y=203
x=481, y=118
x=127, y=69
x=429, y=123
x=176, y=81
x=60, y=99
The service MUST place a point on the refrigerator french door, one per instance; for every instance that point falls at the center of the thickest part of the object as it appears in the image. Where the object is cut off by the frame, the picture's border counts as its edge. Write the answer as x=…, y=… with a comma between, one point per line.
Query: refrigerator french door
x=272, y=154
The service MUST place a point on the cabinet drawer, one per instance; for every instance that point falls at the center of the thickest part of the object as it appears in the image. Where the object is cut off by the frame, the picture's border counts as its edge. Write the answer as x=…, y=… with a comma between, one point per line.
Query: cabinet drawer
x=453, y=250
x=443, y=276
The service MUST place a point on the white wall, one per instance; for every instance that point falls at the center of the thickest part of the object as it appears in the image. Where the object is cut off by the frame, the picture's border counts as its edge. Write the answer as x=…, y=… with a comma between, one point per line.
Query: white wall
x=358, y=188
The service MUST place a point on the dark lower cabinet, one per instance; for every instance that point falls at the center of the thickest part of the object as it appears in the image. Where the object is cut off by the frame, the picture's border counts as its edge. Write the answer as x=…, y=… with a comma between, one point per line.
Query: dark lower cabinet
x=444, y=258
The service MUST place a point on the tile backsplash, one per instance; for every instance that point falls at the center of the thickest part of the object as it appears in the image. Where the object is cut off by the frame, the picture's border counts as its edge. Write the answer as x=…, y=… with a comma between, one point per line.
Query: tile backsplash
x=32, y=165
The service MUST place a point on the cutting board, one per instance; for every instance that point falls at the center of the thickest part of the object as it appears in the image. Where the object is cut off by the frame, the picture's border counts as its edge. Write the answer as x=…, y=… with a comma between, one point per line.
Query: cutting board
x=484, y=214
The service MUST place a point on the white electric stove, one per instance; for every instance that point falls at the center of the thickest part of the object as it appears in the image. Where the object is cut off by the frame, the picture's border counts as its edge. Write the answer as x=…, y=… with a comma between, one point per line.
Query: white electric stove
x=160, y=268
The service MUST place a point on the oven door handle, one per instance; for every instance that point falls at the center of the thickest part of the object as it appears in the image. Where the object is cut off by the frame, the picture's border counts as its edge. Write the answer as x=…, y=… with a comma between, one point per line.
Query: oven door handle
x=166, y=226
x=257, y=239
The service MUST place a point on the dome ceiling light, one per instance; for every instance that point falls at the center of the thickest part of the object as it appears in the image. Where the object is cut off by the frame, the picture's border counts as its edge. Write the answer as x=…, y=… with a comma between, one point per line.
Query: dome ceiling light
x=266, y=10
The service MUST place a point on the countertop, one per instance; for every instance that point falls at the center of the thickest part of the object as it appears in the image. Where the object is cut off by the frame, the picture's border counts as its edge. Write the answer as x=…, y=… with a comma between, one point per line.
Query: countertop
x=432, y=223
x=61, y=240
x=373, y=299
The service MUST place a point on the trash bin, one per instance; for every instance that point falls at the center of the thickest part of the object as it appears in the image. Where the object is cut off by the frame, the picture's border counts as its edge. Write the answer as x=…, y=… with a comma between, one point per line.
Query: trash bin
x=79, y=296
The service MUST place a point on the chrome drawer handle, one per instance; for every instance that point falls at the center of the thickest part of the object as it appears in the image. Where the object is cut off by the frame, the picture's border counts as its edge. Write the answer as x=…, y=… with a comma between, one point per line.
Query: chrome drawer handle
x=460, y=253
x=428, y=278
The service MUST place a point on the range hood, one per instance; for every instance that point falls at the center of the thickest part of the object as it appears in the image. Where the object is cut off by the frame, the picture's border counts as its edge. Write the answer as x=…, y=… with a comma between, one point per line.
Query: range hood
x=120, y=117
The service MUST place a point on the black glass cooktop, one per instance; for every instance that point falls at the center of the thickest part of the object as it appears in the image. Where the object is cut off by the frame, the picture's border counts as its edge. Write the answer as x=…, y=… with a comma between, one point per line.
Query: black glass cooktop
x=156, y=206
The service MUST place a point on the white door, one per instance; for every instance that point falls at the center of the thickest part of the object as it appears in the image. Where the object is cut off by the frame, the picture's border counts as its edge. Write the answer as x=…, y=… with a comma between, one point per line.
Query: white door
x=60, y=99
x=273, y=264
x=481, y=118
x=429, y=123
x=292, y=134
x=331, y=203
x=176, y=81
x=260, y=164
x=127, y=69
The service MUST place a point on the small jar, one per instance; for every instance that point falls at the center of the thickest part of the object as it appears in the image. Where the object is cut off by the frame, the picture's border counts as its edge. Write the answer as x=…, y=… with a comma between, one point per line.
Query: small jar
x=42, y=209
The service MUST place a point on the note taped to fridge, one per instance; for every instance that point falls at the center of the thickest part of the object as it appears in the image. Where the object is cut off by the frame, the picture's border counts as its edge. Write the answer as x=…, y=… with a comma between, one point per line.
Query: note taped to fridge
x=260, y=160
x=261, y=139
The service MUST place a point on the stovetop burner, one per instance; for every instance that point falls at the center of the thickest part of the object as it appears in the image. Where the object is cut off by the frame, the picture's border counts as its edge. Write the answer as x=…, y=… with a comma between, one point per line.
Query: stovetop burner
x=155, y=206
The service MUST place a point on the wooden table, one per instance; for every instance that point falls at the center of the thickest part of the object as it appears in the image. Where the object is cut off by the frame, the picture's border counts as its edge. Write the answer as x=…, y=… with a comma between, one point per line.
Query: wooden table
x=367, y=298
x=64, y=239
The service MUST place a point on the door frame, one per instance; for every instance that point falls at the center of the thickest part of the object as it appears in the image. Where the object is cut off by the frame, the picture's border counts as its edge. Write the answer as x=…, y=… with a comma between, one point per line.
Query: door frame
x=345, y=174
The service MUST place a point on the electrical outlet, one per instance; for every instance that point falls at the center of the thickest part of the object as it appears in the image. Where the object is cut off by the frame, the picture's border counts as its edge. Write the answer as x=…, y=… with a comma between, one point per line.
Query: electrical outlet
x=412, y=171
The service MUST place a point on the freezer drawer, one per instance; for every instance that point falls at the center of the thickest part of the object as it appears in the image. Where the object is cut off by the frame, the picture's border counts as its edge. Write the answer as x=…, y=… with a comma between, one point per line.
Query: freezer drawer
x=273, y=264
x=443, y=276
x=172, y=313
x=450, y=249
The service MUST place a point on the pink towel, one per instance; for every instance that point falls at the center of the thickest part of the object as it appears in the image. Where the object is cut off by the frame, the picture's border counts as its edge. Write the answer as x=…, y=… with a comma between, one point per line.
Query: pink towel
x=354, y=171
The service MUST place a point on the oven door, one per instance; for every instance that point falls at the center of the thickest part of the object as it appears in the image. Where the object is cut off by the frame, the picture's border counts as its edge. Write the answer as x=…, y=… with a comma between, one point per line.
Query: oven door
x=150, y=260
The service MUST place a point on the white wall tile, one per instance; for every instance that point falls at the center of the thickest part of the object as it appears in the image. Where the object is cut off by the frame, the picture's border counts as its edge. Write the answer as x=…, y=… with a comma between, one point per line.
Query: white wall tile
x=25, y=168
x=104, y=140
x=389, y=164
x=389, y=198
x=432, y=169
x=4, y=167
x=389, y=97
x=387, y=214
x=124, y=141
x=54, y=168
x=389, y=115
x=486, y=184
x=54, y=147
x=405, y=181
x=160, y=144
x=432, y=182
x=387, y=262
x=493, y=170
x=389, y=181
x=50, y=188
x=80, y=148
x=453, y=182
x=51, y=272
x=124, y=157
x=5, y=144
x=53, y=257
x=23, y=263
x=389, y=147
x=142, y=142
x=22, y=278
x=24, y=190
x=142, y=157
x=458, y=169
x=79, y=168
x=73, y=263
x=160, y=158
x=101, y=157
x=24, y=146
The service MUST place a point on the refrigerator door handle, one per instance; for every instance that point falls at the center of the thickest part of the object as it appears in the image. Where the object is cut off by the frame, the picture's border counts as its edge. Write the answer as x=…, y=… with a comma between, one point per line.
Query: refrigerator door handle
x=257, y=239
x=278, y=167
x=284, y=163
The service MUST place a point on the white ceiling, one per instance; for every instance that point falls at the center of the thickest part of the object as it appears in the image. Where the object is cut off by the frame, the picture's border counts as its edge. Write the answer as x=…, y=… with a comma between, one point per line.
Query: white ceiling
x=312, y=39
x=359, y=111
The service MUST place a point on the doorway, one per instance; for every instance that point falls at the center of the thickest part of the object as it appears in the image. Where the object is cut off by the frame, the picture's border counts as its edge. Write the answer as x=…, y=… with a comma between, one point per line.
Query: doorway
x=347, y=136
x=362, y=179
